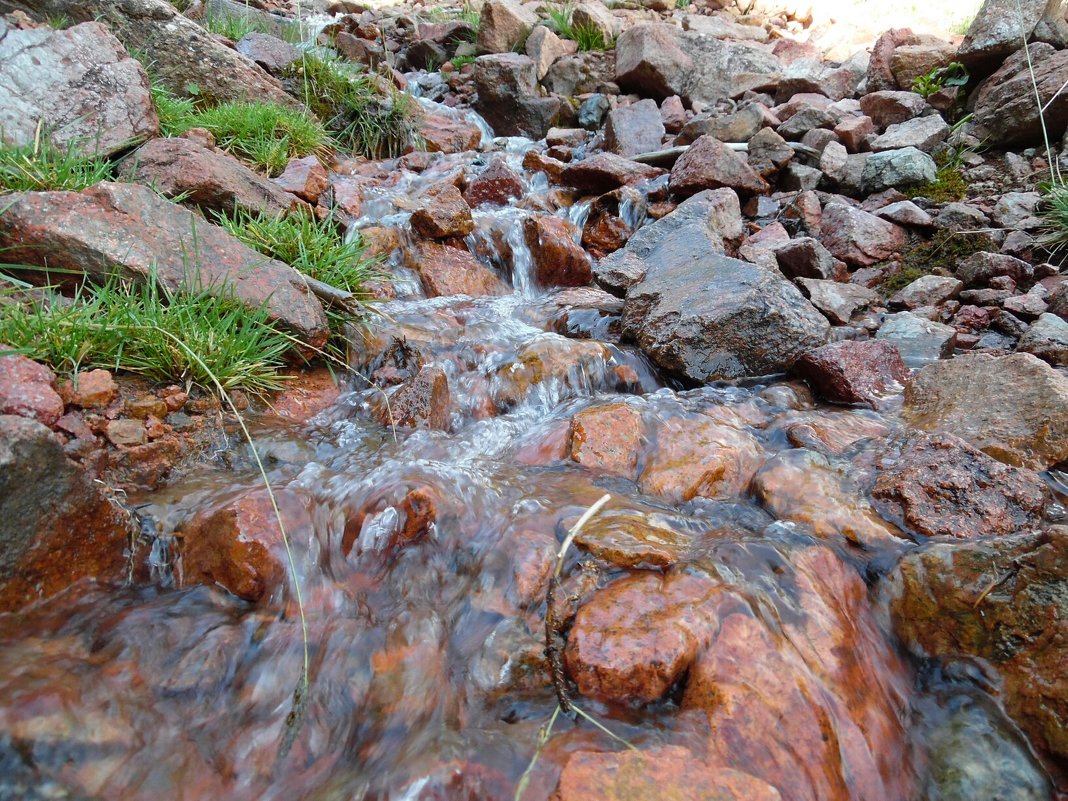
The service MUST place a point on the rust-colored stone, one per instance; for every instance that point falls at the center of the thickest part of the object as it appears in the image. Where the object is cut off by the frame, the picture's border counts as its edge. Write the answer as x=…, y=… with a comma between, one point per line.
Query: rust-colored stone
x=27, y=389
x=607, y=439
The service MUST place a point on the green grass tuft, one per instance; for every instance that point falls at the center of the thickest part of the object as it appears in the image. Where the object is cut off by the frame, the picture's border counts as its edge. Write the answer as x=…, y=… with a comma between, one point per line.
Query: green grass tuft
x=462, y=61
x=235, y=26
x=314, y=247
x=590, y=37
x=558, y=18
x=938, y=255
x=42, y=167
x=133, y=328
x=1054, y=215
x=362, y=118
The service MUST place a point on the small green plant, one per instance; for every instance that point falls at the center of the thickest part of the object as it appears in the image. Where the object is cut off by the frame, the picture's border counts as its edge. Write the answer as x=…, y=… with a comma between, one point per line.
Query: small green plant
x=58, y=22
x=953, y=74
x=1054, y=215
x=134, y=328
x=558, y=18
x=459, y=62
x=590, y=37
x=938, y=255
x=365, y=117
x=682, y=4
x=267, y=135
x=41, y=167
x=314, y=247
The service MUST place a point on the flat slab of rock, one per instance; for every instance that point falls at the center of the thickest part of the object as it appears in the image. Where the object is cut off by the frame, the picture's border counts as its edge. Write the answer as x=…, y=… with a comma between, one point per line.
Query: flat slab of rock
x=606, y=171
x=144, y=235
x=940, y=486
x=1014, y=408
x=446, y=270
x=838, y=301
x=918, y=339
x=713, y=317
x=209, y=179
x=80, y=83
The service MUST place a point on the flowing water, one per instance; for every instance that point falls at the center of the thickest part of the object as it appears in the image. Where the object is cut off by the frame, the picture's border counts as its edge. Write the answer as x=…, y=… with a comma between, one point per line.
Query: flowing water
x=427, y=677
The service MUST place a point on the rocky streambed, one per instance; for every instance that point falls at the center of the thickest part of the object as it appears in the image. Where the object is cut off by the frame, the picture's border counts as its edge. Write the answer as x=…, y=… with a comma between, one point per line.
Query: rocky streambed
x=834, y=561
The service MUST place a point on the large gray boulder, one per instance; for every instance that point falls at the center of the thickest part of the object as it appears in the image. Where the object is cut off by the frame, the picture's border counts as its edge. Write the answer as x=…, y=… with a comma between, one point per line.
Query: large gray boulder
x=703, y=316
x=79, y=84
x=185, y=57
x=659, y=60
x=129, y=230
x=1002, y=26
x=1006, y=111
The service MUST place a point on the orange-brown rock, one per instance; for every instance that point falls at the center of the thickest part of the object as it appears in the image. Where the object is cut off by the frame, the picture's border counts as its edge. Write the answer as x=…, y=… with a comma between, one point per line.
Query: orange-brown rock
x=93, y=389
x=711, y=457
x=306, y=393
x=443, y=213
x=667, y=773
x=446, y=270
x=558, y=258
x=28, y=389
x=607, y=439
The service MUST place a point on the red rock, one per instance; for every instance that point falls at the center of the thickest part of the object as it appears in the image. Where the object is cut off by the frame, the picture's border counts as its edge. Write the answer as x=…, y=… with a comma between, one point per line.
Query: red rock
x=443, y=213
x=306, y=393
x=605, y=172
x=237, y=546
x=854, y=372
x=857, y=237
x=941, y=486
x=447, y=270
x=558, y=259
x=442, y=134
x=422, y=402
x=710, y=164
x=633, y=540
x=533, y=563
x=540, y=162
x=673, y=113
x=209, y=179
x=710, y=457
x=550, y=359
x=880, y=75
x=667, y=772
x=810, y=702
x=497, y=184
x=27, y=389
x=305, y=178
x=853, y=131
x=639, y=635
x=607, y=439
x=145, y=406
x=832, y=434
x=131, y=227
x=93, y=389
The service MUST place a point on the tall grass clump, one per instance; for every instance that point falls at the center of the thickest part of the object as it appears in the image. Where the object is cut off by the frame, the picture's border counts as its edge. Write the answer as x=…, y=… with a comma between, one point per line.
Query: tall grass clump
x=41, y=167
x=236, y=26
x=191, y=336
x=315, y=247
x=590, y=37
x=363, y=118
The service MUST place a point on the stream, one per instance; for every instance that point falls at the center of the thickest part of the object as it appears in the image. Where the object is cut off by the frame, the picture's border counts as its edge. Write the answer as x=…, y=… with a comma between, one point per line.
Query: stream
x=427, y=677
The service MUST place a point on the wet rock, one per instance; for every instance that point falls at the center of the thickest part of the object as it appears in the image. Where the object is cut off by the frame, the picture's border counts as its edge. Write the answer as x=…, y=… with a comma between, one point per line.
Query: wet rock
x=700, y=223
x=707, y=316
x=305, y=177
x=421, y=402
x=133, y=227
x=808, y=701
x=634, y=129
x=444, y=213
x=666, y=771
x=1005, y=109
x=857, y=237
x=980, y=268
x=892, y=169
x=183, y=53
x=605, y=172
x=269, y=52
x=1014, y=408
x=306, y=394
x=940, y=486
x=708, y=457
x=28, y=389
x=56, y=527
x=607, y=439
x=208, y=179
x=79, y=83
x=442, y=133
x=497, y=184
x=710, y=164
x=838, y=301
x=446, y=270
x=639, y=635
x=508, y=96
x=558, y=258
x=923, y=133
x=1002, y=25
x=918, y=339
x=805, y=257
x=1002, y=600
x=1047, y=338
x=503, y=26
x=634, y=540
x=553, y=362
x=545, y=47
x=808, y=488
x=852, y=372
x=927, y=290
x=888, y=108
x=832, y=434
x=237, y=546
